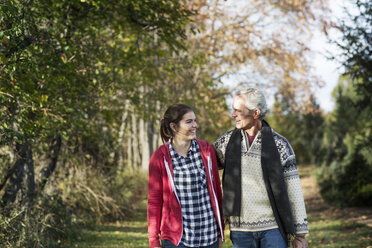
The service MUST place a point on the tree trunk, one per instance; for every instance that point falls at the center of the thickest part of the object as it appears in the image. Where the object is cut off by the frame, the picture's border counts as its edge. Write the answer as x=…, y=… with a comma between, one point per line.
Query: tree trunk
x=156, y=132
x=135, y=141
x=20, y=190
x=121, y=145
x=46, y=172
x=151, y=138
x=130, y=148
x=144, y=142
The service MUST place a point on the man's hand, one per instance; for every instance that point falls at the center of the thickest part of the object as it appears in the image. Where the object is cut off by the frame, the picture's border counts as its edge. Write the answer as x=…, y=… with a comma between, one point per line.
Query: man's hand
x=300, y=241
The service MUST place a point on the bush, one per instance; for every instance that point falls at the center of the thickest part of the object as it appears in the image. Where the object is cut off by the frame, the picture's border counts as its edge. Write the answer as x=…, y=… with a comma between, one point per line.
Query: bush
x=48, y=224
x=55, y=220
x=97, y=197
x=82, y=199
x=345, y=177
x=129, y=191
x=347, y=182
x=11, y=229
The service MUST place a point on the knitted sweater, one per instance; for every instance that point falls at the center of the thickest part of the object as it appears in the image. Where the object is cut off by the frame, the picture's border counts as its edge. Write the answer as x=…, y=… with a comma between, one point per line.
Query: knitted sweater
x=256, y=212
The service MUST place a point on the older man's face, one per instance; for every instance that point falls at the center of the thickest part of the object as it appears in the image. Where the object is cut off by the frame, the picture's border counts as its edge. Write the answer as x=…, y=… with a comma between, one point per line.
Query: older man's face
x=243, y=117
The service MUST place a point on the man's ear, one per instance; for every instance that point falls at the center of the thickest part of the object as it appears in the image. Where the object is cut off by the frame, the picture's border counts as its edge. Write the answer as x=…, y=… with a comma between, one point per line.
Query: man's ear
x=256, y=113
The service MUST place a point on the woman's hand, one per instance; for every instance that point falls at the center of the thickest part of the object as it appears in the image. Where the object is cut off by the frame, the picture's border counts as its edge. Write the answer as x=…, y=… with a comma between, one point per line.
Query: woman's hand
x=220, y=242
x=300, y=241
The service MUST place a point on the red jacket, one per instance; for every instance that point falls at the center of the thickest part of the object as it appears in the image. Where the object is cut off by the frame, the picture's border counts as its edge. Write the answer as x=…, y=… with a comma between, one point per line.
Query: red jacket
x=164, y=214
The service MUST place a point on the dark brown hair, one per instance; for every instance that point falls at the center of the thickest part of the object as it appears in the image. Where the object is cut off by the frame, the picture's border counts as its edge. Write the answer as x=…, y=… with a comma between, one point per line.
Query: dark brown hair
x=174, y=114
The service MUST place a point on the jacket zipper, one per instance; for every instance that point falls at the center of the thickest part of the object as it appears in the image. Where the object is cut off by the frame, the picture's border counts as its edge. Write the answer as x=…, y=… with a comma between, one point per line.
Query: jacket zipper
x=174, y=191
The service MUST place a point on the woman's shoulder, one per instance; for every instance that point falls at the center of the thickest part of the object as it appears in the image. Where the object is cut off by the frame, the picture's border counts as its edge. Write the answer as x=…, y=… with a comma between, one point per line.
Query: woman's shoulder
x=204, y=146
x=161, y=151
x=203, y=142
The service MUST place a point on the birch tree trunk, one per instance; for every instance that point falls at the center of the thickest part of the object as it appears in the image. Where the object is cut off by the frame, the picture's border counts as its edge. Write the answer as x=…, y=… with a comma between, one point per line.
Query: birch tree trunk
x=135, y=138
x=144, y=143
x=130, y=147
x=121, y=143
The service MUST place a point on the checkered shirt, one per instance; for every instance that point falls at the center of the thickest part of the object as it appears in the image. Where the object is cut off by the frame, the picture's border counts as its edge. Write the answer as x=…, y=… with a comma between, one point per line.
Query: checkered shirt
x=199, y=223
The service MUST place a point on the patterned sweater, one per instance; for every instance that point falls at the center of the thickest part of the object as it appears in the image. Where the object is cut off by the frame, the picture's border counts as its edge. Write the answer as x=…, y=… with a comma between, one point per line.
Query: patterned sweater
x=256, y=211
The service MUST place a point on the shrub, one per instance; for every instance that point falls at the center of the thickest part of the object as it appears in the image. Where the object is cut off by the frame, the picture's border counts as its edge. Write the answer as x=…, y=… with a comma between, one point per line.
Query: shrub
x=347, y=182
x=47, y=224
x=98, y=197
x=345, y=177
x=129, y=191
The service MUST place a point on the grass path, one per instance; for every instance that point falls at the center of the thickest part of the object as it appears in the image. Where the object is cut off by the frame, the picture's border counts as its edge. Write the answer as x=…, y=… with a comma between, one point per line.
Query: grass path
x=329, y=226
x=128, y=234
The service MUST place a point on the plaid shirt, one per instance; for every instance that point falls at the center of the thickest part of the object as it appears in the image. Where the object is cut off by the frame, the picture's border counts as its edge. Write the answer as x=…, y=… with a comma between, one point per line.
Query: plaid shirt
x=199, y=223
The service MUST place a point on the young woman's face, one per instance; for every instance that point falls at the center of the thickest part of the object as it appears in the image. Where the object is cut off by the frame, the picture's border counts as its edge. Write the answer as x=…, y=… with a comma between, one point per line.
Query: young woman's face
x=186, y=128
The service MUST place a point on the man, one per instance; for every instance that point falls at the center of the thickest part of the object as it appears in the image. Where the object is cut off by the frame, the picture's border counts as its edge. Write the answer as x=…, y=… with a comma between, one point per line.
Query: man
x=262, y=196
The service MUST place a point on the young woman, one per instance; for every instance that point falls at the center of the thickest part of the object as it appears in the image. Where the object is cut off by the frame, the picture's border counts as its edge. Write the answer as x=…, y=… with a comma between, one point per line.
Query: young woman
x=184, y=191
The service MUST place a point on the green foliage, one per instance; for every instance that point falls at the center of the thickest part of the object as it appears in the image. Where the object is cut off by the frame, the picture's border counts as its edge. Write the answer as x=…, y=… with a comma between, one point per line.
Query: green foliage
x=129, y=190
x=47, y=225
x=11, y=229
x=60, y=60
x=304, y=131
x=97, y=196
x=356, y=50
x=345, y=175
x=66, y=67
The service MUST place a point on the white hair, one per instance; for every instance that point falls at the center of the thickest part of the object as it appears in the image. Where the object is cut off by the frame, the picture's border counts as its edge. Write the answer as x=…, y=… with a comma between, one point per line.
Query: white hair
x=254, y=98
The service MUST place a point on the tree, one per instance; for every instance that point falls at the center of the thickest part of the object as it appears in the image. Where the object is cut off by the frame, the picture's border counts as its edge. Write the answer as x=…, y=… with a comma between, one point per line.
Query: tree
x=356, y=50
x=264, y=43
x=346, y=173
x=65, y=67
x=304, y=131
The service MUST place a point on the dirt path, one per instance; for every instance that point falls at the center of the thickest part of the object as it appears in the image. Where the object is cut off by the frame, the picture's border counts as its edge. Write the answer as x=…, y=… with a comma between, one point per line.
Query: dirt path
x=316, y=206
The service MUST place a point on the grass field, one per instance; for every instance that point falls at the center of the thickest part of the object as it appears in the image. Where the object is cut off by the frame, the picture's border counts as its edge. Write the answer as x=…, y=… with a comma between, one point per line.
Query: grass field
x=329, y=226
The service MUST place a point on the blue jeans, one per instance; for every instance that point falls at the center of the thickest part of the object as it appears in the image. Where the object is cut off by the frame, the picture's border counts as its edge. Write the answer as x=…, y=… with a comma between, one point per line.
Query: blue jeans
x=167, y=244
x=262, y=239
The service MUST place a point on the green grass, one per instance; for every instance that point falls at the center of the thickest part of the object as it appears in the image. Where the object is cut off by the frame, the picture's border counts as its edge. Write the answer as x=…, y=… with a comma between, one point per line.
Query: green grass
x=327, y=229
x=131, y=234
x=336, y=233
x=323, y=233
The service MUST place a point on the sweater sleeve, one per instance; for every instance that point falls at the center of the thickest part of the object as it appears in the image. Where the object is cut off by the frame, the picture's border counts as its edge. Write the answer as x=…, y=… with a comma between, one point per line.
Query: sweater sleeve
x=294, y=189
x=155, y=202
x=220, y=147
